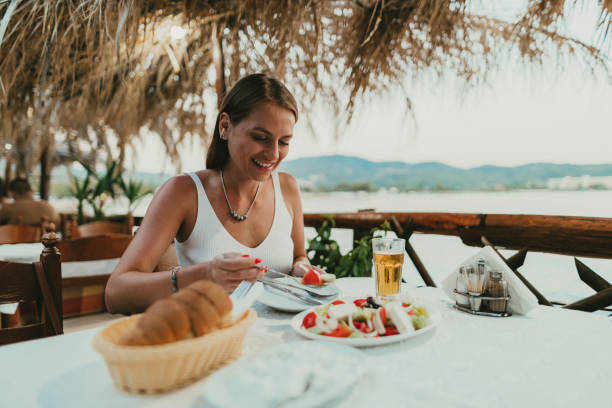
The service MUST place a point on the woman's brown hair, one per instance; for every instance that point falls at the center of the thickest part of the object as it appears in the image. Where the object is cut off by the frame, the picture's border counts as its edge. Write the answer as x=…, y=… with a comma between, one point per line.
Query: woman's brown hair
x=238, y=103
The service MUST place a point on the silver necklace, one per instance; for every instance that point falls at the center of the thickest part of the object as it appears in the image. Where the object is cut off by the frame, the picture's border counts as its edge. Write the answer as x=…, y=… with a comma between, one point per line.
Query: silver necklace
x=233, y=213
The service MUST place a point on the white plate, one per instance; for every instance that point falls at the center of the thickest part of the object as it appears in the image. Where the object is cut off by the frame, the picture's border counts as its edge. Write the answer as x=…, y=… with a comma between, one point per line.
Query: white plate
x=297, y=374
x=281, y=301
x=296, y=324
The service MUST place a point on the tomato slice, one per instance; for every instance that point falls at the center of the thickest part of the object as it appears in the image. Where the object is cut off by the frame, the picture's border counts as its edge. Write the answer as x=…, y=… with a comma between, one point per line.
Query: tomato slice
x=361, y=326
x=390, y=331
x=360, y=302
x=340, y=331
x=309, y=320
x=312, y=278
x=383, y=315
x=337, y=302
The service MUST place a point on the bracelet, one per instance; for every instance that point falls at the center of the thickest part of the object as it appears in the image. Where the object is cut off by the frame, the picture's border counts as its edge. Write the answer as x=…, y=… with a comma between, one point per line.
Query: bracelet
x=173, y=273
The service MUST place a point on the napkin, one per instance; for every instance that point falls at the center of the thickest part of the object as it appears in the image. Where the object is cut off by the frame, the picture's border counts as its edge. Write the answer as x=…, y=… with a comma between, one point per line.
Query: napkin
x=521, y=299
x=8, y=308
x=243, y=297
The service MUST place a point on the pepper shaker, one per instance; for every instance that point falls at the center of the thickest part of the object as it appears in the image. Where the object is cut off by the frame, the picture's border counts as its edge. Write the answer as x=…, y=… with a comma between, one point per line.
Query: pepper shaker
x=497, y=287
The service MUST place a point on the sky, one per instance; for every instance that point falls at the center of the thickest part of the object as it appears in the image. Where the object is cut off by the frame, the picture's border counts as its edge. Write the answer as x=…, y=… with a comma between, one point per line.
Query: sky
x=554, y=113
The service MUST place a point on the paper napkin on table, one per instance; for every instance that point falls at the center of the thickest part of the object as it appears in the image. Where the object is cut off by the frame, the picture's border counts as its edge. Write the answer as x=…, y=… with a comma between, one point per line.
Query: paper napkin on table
x=521, y=299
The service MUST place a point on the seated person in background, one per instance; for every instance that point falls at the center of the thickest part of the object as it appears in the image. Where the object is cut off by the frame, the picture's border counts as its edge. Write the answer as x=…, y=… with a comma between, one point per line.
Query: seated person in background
x=230, y=221
x=25, y=207
x=3, y=198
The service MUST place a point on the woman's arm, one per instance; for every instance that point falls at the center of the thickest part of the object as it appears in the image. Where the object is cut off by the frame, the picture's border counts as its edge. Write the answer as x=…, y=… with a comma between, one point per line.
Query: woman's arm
x=132, y=286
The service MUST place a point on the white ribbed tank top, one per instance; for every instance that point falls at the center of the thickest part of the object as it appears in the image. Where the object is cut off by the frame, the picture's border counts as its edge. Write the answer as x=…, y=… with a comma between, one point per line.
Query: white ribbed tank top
x=209, y=237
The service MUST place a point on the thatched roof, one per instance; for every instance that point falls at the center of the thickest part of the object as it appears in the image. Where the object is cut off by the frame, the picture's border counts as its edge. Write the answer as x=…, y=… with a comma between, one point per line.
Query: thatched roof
x=86, y=66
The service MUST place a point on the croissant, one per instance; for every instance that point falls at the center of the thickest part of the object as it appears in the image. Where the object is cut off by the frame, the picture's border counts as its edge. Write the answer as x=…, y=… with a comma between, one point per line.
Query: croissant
x=198, y=309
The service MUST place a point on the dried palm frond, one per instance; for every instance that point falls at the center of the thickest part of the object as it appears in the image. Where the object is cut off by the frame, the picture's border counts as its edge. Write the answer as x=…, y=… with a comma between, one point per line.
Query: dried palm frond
x=83, y=67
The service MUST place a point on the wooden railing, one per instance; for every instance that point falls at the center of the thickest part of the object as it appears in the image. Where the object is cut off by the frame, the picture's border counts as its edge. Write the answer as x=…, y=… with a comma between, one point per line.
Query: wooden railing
x=566, y=235
x=577, y=236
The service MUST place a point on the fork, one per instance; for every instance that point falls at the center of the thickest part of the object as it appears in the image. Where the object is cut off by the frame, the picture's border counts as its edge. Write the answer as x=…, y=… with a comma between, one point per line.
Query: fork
x=310, y=292
x=297, y=285
x=306, y=298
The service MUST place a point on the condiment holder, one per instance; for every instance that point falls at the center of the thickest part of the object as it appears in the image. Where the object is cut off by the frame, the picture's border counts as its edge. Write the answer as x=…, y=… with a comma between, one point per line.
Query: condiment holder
x=477, y=294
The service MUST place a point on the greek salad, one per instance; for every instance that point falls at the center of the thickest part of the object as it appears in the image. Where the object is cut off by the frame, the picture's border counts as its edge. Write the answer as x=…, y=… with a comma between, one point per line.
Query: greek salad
x=367, y=317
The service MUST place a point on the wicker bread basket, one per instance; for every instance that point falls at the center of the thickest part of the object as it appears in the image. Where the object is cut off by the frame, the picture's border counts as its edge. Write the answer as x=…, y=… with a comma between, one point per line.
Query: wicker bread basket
x=160, y=368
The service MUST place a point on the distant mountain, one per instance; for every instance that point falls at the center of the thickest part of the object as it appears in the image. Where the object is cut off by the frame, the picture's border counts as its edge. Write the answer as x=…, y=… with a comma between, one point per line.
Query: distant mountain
x=339, y=172
x=346, y=172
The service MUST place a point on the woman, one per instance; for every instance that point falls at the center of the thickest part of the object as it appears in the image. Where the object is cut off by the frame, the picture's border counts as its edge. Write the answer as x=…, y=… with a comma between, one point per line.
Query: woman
x=231, y=221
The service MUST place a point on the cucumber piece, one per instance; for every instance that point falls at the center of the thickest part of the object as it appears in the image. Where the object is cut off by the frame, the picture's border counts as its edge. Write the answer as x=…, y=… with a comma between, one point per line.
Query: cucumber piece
x=315, y=330
x=421, y=311
x=419, y=322
x=328, y=277
x=356, y=334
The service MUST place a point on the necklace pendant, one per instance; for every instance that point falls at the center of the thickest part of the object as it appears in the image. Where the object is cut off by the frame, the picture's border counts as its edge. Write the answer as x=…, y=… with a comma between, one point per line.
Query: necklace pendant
x=233, y=213
x=236, y=216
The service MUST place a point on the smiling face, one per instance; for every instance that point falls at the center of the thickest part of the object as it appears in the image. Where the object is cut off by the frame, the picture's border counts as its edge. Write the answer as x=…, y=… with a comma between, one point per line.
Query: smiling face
x=258, y=144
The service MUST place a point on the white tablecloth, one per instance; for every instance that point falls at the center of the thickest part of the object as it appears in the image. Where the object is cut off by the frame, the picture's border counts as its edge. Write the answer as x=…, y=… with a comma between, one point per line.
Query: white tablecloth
x=551, y=357
x=31, y=253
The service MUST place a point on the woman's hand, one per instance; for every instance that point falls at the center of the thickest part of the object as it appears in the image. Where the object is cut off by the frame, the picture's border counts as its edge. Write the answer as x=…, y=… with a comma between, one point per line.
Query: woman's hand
x=301, y=267
x=231, y=268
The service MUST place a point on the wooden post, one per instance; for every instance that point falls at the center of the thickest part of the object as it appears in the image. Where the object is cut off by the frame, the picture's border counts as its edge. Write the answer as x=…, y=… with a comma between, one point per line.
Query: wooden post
x=7, y=174
x=598, y=301
x=517, y=260
x=541, y=299
x=414, y=257
x=45, y=176
x=590, y=277
x=50, y=260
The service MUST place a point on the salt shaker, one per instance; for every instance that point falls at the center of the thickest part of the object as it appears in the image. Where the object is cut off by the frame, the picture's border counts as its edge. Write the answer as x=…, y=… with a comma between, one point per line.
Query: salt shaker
x=461, y=287
x=482, y=273
x=475, y=288
x=497, y=287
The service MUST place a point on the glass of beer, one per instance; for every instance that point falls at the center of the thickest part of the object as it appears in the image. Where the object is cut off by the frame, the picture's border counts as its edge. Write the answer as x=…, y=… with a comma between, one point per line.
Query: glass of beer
x=388, y=262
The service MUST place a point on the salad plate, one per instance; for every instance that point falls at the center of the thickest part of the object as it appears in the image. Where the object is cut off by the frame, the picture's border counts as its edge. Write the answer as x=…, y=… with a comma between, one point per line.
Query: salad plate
x=298, y=319
x=279, y=300
x=297, y=374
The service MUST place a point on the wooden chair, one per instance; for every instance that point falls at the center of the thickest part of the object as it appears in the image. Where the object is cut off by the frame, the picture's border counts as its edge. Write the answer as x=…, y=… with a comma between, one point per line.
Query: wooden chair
x=90, y=229
x=98, y=247
x=19, y=233
x=38, y=282
x=85, y=294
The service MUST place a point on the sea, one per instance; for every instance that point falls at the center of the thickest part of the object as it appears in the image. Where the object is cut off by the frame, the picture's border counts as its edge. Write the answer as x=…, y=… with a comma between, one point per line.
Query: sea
x=555, y=276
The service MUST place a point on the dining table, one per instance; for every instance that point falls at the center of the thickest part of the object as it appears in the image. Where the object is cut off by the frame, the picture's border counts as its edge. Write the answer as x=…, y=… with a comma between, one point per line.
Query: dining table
x=550, y=357
x=30, y=252
x=82, y=299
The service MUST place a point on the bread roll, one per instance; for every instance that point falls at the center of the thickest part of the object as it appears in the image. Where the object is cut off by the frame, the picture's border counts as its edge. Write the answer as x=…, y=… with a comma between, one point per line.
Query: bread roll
x=215, y=295
x=202, y=314
x=200, y=308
